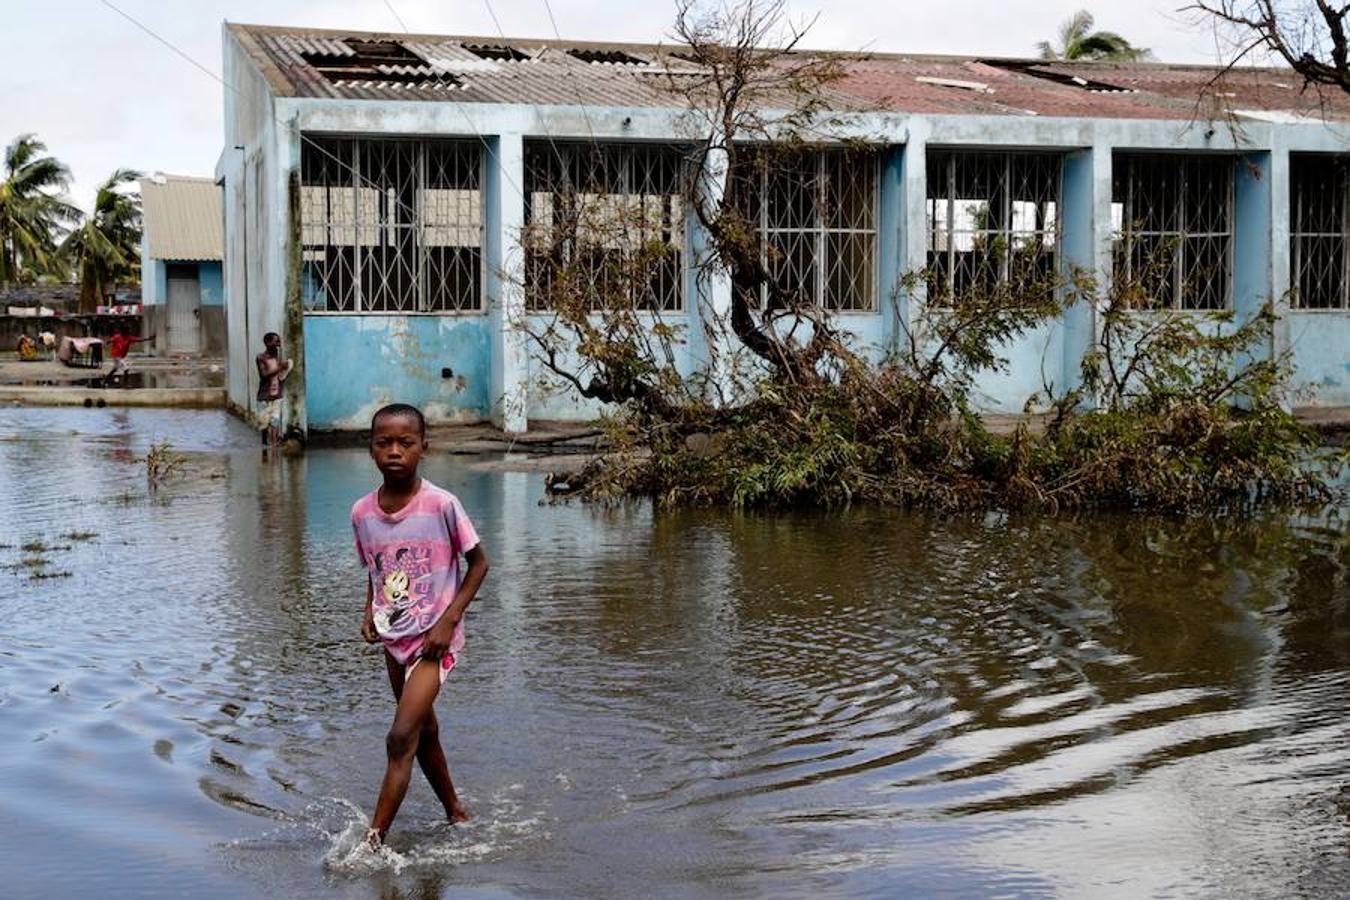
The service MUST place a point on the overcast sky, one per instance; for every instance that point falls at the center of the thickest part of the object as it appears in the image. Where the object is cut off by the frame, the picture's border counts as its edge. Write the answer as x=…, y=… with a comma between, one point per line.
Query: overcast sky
x=103, y=94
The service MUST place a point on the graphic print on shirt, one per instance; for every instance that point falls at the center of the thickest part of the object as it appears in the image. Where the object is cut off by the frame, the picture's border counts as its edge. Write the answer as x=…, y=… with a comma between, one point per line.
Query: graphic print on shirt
x=403, y=600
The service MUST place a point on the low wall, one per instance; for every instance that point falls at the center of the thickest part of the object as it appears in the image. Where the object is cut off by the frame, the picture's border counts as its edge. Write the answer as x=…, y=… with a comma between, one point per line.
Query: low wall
x=186, y=398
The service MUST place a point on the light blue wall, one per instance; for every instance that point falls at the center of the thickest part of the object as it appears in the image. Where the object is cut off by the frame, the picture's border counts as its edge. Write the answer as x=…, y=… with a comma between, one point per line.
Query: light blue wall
x=1035, y=361
x=158, y=284
x=155, y=281
x=1320, y=344
x=212, y=283
x=356, y=364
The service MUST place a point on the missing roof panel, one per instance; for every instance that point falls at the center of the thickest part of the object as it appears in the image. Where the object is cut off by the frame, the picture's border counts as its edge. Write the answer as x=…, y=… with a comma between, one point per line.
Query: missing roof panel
x=1057, y=75
x=380, y=62
x=498, y=52
x=608, y=57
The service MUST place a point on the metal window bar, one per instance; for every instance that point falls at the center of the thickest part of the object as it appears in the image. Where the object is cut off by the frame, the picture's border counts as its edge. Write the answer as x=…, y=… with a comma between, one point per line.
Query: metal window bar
x=1319, y=231
x=391, y=225
x=613, y=213
x=1175, y=232
x=816, y=214
x=994, y=217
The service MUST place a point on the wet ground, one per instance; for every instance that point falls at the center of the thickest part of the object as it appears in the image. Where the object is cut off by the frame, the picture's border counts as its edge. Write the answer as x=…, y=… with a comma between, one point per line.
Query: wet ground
x=689, y=705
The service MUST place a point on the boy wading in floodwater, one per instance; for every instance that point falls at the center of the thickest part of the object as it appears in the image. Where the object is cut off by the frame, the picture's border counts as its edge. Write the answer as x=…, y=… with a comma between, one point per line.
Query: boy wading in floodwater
x=410, y=535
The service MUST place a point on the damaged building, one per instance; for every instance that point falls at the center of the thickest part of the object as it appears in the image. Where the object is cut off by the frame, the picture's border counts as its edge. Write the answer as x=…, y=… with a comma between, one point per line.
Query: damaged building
x=377, y=187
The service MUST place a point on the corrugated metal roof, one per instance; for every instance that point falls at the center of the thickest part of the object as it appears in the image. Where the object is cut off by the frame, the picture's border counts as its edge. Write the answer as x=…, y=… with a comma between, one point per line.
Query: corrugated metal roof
x=303, y=62
x=183, y=217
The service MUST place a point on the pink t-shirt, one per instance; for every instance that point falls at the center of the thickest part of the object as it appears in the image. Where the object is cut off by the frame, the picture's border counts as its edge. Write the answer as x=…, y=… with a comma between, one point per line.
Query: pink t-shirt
x=413, y=559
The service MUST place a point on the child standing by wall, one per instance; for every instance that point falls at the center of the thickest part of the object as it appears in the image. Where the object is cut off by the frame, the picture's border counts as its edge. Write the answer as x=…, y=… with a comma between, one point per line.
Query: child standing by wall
x=410, y=535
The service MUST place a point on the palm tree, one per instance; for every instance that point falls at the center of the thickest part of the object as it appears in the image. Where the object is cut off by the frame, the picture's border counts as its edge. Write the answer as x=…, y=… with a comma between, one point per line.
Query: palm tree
x=1077, y=41
x=107, y=247
x=33, y=212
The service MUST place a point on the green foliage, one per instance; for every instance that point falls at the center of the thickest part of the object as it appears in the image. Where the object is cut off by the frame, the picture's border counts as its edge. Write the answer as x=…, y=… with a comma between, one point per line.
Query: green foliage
x=1177, y=410
x=106, y=247
x=33, y=212
x=162, y=463
x=1185, y=415
x=1077, y=41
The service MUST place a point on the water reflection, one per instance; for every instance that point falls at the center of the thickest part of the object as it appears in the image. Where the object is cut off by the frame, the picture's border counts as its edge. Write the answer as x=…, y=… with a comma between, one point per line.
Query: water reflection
x=693, y=703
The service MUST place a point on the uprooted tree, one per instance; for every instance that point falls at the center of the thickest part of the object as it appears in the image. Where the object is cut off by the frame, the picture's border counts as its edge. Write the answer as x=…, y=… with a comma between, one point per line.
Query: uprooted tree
x=1173, y=412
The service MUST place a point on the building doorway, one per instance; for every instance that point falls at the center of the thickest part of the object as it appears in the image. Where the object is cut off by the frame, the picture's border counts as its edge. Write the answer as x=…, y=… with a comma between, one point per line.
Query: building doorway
x=185, y=309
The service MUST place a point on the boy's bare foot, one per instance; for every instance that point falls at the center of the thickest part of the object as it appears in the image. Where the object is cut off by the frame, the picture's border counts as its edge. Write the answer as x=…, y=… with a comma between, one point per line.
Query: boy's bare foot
x=373, y=840
x=458, y=813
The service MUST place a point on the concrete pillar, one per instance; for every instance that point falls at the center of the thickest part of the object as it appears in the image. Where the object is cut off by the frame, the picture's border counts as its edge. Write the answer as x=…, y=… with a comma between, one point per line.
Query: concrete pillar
x=282, y=308
x=891, y=263
x=913, y=225
x=1253, y=221
x=1281, y=276
x=504, y=224
x=712, y=343
x=1085, y=245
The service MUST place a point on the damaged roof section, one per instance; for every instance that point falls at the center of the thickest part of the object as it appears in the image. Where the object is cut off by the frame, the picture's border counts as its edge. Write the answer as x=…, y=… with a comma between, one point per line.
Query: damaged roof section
x=303, y=62
x=357, y=63
x=352, y=65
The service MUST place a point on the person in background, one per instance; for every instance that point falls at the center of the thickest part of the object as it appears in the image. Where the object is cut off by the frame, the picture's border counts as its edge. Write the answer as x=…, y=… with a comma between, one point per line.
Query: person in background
x=118, y=345
x=272, y=372
x=27, y=349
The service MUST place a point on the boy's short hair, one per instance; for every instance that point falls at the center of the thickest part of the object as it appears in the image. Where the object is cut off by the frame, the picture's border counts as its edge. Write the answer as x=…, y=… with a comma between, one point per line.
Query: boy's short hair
x=270, y=335
x=400, y=409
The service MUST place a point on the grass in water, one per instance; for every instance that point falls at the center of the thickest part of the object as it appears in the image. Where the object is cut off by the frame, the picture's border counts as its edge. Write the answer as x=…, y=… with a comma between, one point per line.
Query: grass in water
x=80, y=536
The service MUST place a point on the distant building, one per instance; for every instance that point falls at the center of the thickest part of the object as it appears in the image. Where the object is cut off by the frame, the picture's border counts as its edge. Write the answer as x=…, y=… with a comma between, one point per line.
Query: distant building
x=182, y=250
x=377, y=185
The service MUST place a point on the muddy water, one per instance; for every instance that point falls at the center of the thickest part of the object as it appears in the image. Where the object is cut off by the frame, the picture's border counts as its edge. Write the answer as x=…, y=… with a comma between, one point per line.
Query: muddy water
x=868, y=704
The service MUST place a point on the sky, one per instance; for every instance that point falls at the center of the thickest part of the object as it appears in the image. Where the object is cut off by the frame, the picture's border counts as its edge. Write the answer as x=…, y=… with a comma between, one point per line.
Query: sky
x=102, y=94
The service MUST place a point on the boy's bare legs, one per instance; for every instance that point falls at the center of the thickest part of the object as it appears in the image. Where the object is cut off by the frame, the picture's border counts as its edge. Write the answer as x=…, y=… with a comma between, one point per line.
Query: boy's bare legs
x=430, y=755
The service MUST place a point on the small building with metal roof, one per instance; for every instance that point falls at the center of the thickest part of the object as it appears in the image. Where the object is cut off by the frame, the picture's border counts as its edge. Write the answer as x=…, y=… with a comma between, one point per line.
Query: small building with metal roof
x=182, y=255
x=377, y=187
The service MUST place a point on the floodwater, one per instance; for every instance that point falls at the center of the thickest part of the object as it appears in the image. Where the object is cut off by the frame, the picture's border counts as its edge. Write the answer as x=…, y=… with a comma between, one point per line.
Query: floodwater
x=686, y=705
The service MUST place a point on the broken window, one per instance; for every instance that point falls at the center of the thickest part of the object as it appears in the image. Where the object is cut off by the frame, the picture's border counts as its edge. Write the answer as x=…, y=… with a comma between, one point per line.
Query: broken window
x=1173, y=221
x=814, y=212
x=611, y=213
x=391, y=226
x=993, y=219
x=1318, y=230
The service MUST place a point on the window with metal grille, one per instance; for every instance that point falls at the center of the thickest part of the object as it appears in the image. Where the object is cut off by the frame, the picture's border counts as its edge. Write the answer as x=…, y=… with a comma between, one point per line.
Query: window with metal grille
x=607, y=219
x=815, y=213
x=391, y=225
x=993, y=219
x=1173, y=221
x=1318, y=230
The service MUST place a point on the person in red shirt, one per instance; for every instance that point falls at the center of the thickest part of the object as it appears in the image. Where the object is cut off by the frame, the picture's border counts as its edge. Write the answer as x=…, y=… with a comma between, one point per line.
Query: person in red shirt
x=118, y=345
